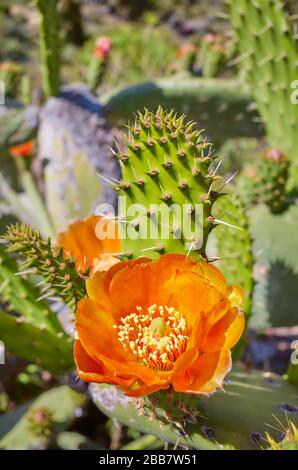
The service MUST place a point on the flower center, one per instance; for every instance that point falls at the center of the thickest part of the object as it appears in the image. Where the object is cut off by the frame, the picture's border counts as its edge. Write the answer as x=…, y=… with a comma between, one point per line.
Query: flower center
x=156, y=335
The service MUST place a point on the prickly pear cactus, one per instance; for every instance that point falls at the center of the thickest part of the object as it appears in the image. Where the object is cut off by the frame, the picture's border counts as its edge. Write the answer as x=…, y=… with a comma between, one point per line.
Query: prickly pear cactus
x=268, y=62
x=222, y=421
x=36, y=344
x=74, y=143
x=167, y=176
x=264, y=181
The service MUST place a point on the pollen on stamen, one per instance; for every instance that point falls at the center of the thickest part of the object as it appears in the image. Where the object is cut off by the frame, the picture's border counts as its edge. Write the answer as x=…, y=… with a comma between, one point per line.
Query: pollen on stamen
x=157, y=335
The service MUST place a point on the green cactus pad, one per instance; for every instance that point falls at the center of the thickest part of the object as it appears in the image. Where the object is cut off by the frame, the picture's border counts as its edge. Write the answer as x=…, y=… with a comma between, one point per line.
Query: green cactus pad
x=52, y=351
x=222, y=421
x=166, y=174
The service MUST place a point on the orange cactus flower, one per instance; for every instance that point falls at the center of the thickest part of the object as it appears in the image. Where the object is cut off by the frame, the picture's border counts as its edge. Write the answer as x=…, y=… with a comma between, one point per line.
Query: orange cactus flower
x=148, y=324
x=82, y=242
x=23, y=150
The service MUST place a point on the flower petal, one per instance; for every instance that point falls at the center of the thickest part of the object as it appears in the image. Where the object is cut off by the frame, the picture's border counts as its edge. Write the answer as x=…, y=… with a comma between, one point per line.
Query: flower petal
x=95, y=327
x=128, y=286
x=213, y=275
x=97, y=288
x=206, y=375
x=92, y=371
x=192, y=295
x=80, y=242
x=223, y=367
x=145, y=389
x=235, y=295
x=225, y=332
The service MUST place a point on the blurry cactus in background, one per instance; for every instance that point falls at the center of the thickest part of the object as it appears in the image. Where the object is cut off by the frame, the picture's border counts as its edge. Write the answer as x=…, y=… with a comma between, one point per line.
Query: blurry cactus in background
x=212, y=54
x=99, y=62
x=187, y=55
x=50, y=45
x=265, y=180
x=10, y=75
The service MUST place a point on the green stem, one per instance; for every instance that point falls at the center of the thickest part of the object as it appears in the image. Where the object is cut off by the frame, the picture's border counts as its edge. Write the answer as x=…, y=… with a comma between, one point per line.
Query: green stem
x=50, y=45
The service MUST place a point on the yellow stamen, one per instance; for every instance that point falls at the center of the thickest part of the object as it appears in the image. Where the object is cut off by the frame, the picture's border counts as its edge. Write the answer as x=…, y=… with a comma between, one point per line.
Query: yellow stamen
x=157, y=336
